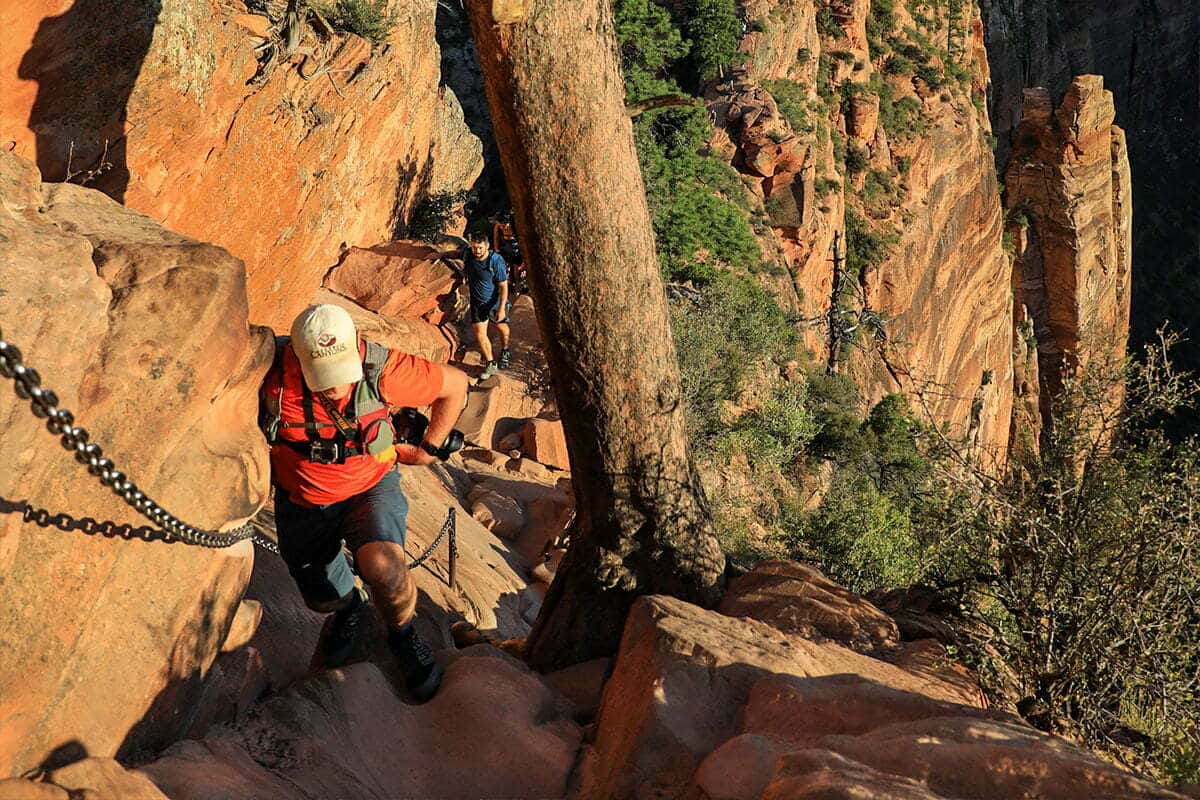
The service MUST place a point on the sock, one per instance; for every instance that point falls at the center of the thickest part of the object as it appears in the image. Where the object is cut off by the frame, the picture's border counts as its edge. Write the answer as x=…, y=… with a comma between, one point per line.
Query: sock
x=396, y=636
x=352, y=604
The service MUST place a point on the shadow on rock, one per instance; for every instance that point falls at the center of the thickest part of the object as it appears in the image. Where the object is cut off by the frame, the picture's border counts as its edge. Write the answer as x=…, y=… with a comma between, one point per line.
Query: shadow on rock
x=85, y=62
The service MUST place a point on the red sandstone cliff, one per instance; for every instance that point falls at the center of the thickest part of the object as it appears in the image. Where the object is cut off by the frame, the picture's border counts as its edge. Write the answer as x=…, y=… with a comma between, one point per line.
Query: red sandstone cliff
x=282, y=174
x=1070, y=210
x=923, y=182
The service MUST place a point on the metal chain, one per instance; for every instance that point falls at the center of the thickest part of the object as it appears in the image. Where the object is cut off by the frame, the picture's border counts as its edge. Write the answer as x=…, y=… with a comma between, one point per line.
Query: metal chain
x=61, y=422
x=448, y=529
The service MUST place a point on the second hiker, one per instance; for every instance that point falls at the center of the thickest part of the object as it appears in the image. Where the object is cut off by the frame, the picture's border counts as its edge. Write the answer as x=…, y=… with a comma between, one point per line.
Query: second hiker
x=487, y=281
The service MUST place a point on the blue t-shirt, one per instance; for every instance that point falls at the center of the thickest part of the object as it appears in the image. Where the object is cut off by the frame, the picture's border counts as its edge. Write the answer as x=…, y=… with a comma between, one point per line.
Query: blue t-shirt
x=484, y=278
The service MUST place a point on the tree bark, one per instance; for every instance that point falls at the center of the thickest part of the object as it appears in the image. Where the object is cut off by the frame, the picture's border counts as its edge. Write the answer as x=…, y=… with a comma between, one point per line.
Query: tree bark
x=642, y=525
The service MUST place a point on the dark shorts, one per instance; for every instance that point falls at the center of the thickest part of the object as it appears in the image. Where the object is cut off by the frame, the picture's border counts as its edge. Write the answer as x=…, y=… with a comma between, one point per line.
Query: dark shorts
x=484, y=311
x=310, y=539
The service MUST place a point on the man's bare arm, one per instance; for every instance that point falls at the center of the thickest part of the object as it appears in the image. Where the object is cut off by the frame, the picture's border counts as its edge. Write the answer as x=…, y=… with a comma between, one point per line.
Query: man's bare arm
x=443, y=413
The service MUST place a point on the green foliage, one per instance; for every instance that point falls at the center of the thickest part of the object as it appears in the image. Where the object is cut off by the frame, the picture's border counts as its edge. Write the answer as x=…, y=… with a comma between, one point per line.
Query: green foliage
x=866, y=248
x=432, y=216
x=774, y=435
x=880, y=23
x=827, y=25
x=697, y=202
x=863, y=531
x=735, y=326
x=369, y=19
x=793, y=104
x=931, y=75
x=857, y=158
x=714, y=29
x=834, y=401
x=861, y=537
x=1078, y=570
x=903, y=118
x=651, y=46
x=825, y=78
x=880, y=192
x=826, y=186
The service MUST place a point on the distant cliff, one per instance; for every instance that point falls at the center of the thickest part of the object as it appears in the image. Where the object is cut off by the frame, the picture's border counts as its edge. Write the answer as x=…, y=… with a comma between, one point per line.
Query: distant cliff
x=1149, y=57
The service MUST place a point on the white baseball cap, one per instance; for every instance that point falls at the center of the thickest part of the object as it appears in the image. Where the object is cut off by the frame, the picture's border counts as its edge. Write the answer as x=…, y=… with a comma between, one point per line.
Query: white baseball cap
x=326, y=342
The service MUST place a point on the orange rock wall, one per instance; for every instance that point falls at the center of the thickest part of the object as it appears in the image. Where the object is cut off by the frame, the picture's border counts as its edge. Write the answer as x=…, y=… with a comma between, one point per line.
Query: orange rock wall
x=144, y=336
x=282, y=175
x=945, y=291
x=1069, y=193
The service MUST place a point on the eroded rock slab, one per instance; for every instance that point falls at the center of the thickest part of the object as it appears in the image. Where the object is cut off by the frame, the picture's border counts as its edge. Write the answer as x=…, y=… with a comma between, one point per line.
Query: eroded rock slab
x=144, y=336
x=493, y=730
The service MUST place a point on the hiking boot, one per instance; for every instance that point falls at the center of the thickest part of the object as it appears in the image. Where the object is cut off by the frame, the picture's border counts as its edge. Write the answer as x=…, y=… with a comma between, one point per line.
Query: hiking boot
x=505, y=358
x=488, y=371
x=338, y=644
x=422, y=674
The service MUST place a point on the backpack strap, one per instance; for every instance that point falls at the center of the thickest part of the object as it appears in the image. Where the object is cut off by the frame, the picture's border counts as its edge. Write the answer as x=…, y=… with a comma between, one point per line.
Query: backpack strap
x=269, y=407
x=373, y=364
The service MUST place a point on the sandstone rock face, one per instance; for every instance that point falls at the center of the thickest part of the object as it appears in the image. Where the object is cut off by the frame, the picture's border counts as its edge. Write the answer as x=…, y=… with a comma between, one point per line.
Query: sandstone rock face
x=945, y=288
x=497, y=408
x=681, y=676
x=783, y=41
x=1148, y=61
x=105, y=779
x=397, y=279
x=847, y=738
x=493, y=730
x=701, y=705
x=144, y=336
x=335, y=159
x=543, y=440
x=1069, y=190
x=796, y=599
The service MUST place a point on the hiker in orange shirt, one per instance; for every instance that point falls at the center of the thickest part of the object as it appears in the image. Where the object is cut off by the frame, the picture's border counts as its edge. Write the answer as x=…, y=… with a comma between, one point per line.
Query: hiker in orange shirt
x=326, y=411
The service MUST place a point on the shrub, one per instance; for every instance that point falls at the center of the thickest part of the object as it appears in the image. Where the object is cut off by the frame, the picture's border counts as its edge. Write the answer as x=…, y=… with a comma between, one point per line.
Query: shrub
x=827, y=25
x=432, y=215
x=793, y=104
x=931, y=75
x=697, y=202
x=736, y=324
x=826, y=186
x=866, y=248
x=863, y=531
x=857, y=159
x=897, y=64
x=861, y=537
x=775, y=435
x=651, y=45
x=834, y=402
x=714, y=29
x=369, y=19
x=1080, y=566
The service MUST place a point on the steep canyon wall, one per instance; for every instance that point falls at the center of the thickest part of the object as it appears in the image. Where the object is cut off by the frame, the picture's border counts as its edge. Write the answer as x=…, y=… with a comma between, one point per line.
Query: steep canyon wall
x=1149, y=56
x=283, y=168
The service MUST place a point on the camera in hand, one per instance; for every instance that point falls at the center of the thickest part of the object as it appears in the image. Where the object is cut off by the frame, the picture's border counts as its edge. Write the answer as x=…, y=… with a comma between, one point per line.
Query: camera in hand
x=411, y=425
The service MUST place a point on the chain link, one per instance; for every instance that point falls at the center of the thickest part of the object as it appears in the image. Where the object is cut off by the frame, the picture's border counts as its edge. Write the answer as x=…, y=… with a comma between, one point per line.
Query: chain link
x=75, y=439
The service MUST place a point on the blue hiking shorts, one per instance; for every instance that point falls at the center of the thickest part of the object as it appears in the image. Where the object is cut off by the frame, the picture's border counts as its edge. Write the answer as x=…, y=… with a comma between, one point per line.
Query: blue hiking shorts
x=310, y=539
x=488, y=311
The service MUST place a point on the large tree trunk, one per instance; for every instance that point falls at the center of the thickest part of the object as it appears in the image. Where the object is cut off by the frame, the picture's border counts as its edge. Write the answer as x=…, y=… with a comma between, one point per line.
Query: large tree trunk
x=642, y=526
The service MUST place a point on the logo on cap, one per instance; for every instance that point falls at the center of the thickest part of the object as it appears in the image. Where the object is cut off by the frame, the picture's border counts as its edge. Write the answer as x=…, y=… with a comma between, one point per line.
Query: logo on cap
x=326, y=340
